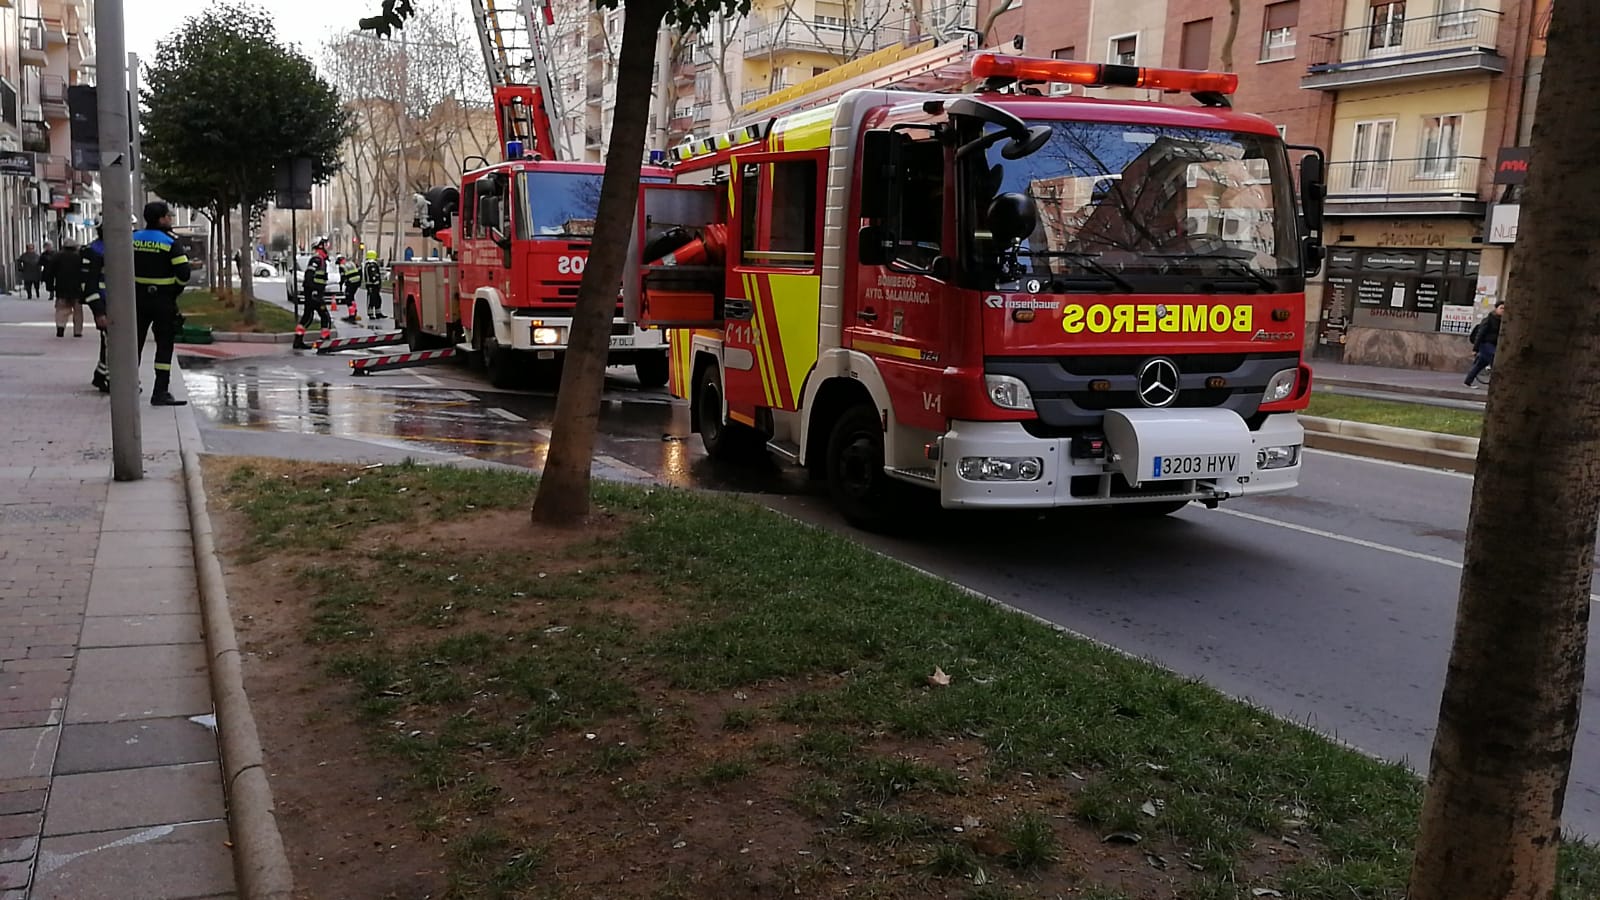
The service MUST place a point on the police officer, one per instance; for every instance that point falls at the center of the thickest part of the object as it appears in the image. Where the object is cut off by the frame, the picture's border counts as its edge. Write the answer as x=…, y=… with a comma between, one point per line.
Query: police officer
x=315, y=288
x=350, y=280
x=92, y=275
x=160, y=270
x=372, y=276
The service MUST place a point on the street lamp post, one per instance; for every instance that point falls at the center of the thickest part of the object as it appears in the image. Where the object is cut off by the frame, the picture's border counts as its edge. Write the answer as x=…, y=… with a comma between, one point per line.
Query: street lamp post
x=127, y=450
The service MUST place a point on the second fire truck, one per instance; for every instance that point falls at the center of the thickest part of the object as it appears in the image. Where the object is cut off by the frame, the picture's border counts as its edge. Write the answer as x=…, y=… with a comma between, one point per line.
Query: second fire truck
x=1010, y=298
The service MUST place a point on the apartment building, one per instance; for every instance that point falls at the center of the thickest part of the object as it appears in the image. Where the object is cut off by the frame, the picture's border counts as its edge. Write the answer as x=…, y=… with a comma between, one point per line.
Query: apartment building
x=1413, y=100
x=46, y=46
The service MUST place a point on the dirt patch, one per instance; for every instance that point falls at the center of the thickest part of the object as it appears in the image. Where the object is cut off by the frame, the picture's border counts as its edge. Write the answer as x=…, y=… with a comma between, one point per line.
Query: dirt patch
x=466, y=708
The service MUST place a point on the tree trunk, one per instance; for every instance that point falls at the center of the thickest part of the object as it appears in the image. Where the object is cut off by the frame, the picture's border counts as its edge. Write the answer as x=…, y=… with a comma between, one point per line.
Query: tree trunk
x=225, y=253
x=1498, y=776
x=563, y=497
x=247, y=264
x=1231, y=36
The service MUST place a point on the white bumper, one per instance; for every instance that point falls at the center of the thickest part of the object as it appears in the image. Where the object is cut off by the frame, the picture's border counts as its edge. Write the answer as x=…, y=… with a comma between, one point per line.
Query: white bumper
x=524, y=330
x=1139, y=443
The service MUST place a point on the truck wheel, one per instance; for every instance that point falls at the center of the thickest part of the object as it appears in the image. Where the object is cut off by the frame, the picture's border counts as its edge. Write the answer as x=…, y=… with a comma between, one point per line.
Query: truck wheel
x=856, y=480
x=723, y=439
x=499, y=363
x=651, y=369
x=415, y=338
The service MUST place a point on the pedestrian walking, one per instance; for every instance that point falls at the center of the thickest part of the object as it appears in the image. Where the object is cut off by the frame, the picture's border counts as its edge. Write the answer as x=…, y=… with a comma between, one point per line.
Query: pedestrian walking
x=47, y=260
x=66, y=280
x=350, y=280
x=372, y=276
x=29, y=272
x=91, y=266
x=160, y=270
x=316, y=296
x=1485, y=338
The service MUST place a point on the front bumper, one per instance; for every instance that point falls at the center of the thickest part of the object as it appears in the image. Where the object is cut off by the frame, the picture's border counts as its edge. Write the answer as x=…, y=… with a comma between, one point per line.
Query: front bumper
x=1068, y=481
x=625, y=338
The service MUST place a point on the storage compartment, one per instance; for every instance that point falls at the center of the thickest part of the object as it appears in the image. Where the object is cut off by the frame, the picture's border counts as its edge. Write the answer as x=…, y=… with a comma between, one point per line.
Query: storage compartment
x=675, y=276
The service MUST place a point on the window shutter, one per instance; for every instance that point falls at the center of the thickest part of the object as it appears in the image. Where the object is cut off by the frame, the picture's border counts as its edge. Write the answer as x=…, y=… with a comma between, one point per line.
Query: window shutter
x=1196, y=50
x=1283, y=15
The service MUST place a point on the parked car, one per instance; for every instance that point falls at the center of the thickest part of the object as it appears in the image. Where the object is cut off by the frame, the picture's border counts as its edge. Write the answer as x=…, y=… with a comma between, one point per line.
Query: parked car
x=265, y=270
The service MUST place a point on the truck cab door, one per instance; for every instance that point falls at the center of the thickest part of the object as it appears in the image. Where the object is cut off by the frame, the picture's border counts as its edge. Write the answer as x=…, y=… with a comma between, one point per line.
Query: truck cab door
x=677, y=261
x=774, y=279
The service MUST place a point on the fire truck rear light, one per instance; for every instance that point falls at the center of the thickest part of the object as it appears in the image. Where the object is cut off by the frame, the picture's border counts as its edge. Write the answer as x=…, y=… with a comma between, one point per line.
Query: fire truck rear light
x=1089, y=74
x=931, y=451
x=1280, y=315
x=1001, y=468
x=1099, y=384
x=1216, y=383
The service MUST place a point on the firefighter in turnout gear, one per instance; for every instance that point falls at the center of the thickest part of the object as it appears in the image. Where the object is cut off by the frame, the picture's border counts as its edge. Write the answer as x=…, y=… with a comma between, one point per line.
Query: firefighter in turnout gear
x=92, y=275
x=372, y=277
x=160, y=270
x=315, y=289
x=350, y=280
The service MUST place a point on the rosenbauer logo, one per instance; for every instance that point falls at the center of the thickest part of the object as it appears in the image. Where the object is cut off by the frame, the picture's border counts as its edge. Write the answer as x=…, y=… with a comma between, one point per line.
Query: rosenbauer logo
x=1158, y=319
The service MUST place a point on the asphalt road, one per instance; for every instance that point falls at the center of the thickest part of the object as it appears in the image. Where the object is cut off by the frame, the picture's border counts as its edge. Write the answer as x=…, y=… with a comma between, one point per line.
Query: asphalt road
x=1332, y=606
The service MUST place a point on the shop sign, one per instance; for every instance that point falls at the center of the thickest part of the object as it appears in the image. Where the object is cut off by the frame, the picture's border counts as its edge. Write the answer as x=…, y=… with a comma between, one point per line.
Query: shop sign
x=1512, y=165
x=1457, y=320
x=16, y=162
x=1503, y=219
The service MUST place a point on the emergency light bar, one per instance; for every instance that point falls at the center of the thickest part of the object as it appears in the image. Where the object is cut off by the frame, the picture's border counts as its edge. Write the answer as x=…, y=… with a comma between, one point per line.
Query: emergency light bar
x=1090, y=74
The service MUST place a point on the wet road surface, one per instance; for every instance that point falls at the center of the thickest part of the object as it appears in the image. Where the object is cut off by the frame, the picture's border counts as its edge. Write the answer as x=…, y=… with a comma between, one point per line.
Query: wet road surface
x=1332, y=605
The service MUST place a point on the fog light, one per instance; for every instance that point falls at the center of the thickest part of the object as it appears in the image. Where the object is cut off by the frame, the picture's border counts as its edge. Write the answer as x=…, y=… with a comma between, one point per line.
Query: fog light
x=1001, y=468
x=1277, y=457
x=547, y=336
x=1282, y=386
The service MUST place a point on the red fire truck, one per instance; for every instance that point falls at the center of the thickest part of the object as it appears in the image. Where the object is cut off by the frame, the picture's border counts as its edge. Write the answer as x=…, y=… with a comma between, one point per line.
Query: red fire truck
x=517, y=238
x=1010, y=297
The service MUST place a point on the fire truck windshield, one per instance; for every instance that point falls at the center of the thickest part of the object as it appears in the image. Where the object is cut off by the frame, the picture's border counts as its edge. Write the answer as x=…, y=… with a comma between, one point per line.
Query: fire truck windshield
x=1142, y=208
x=557, y=204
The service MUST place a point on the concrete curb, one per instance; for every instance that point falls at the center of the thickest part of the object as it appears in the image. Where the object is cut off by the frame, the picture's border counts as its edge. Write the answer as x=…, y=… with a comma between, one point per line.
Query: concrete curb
x=260, y=862
x=249, y=337
x=1452, y=393
x=1405, y=445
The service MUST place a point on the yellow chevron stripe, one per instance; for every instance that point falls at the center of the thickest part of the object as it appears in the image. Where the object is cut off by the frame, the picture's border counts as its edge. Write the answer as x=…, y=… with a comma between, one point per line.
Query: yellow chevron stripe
x=763, y=360
x=888, y=349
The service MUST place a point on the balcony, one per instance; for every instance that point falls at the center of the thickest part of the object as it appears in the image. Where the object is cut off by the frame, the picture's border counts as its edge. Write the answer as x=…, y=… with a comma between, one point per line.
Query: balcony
x=55, y=30
x=53, y=97
x=32, y=47
x=35, y=138
x=1457, y=42
x=1405, y=186
x=54, y=169
x=592, y=138
x=683, y=73
x=597, y=45
x=594, y=92
x=845, y=41
x=9, y=113
x=752, y=95
x=702, y=113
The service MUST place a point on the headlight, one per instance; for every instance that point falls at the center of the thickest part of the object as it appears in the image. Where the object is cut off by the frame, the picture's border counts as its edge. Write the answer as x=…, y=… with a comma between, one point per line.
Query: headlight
x=1281, y=387
x=1277, y=457
x=1008, y=392
x=547, y=335
x=1001, y=468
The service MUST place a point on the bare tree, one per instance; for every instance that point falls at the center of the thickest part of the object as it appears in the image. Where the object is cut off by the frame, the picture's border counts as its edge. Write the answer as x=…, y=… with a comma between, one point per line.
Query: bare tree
x=1497, y=780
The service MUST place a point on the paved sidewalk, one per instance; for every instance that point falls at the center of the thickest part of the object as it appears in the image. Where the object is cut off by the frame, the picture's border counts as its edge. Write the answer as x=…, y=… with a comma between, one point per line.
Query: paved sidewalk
x=110, y=785
x=1415, y=382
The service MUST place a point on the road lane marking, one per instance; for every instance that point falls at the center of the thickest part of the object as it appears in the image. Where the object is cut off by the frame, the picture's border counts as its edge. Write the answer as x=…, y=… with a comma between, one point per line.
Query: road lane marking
x=1390, y=463
x=427, y=379
x=628, y=468
x=1348, y=539
x=462, y=396
x=506, y=414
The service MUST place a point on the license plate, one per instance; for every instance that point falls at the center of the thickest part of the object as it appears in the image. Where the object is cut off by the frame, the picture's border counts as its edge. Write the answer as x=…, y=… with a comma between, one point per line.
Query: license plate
x=618, y=343
x=1199, y=465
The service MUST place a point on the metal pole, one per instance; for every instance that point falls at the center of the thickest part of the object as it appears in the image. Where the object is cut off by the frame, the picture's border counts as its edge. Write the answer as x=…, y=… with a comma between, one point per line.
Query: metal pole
x=127, y=451
x=137, y=160
x=292, y=288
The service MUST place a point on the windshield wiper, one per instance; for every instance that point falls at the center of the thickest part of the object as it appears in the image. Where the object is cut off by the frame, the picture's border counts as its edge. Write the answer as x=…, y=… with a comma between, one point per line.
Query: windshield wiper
x=1233, y=263
x=1089, y=261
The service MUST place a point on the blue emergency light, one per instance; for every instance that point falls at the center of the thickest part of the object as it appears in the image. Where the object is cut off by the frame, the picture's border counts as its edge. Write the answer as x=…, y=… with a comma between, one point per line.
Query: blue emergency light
x=658, y=157
x=513, y=149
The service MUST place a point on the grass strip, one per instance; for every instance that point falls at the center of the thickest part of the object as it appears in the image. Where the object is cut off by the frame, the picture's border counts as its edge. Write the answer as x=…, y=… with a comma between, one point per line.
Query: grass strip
x=1418, y=416
x=738, y=651
x=206, y=308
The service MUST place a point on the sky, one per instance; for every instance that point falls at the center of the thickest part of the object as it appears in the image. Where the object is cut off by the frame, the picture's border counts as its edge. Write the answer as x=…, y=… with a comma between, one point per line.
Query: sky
x=304, y=22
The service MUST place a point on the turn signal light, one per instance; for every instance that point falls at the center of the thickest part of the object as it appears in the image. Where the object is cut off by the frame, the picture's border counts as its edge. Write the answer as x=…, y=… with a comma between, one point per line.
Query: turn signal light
x=1090, y=74
x=1216, y=382
x=1100, y=384
x=1280, y=315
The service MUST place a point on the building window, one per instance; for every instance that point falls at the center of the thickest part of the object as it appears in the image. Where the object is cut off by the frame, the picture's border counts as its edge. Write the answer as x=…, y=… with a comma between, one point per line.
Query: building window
x=1058, y=89
x=1277, y=31
x=1371, y=152
x=1125, y=50
x=1386, y=27
x=1454, y=21
x=1195, y=51
x=1441, y=141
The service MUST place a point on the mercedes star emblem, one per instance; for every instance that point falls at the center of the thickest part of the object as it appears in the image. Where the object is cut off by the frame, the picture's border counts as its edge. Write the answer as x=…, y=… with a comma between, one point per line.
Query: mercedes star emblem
x=1158, y=382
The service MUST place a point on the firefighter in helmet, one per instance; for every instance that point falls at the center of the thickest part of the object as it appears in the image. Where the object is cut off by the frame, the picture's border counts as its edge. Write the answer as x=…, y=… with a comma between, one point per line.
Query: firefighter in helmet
x=350, y=280
x=160, y=270
x=372, y=277
x=92, y=275
x=315, y=288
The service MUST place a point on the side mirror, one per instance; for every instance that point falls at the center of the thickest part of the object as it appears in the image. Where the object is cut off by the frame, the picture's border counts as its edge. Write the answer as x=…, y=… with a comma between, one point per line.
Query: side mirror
x=1018, y=147
x=500, y=238
x=1312, y=253
x=1012, y=217
x=880, y=168
x=875, y=246
x=1313, y=191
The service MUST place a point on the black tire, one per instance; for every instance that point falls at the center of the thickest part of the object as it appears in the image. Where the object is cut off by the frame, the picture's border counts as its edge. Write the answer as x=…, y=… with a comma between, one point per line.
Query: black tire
x=416, y=339
x=651, y=369
x=861, y=490
x=723, y=440
x=499, y=363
